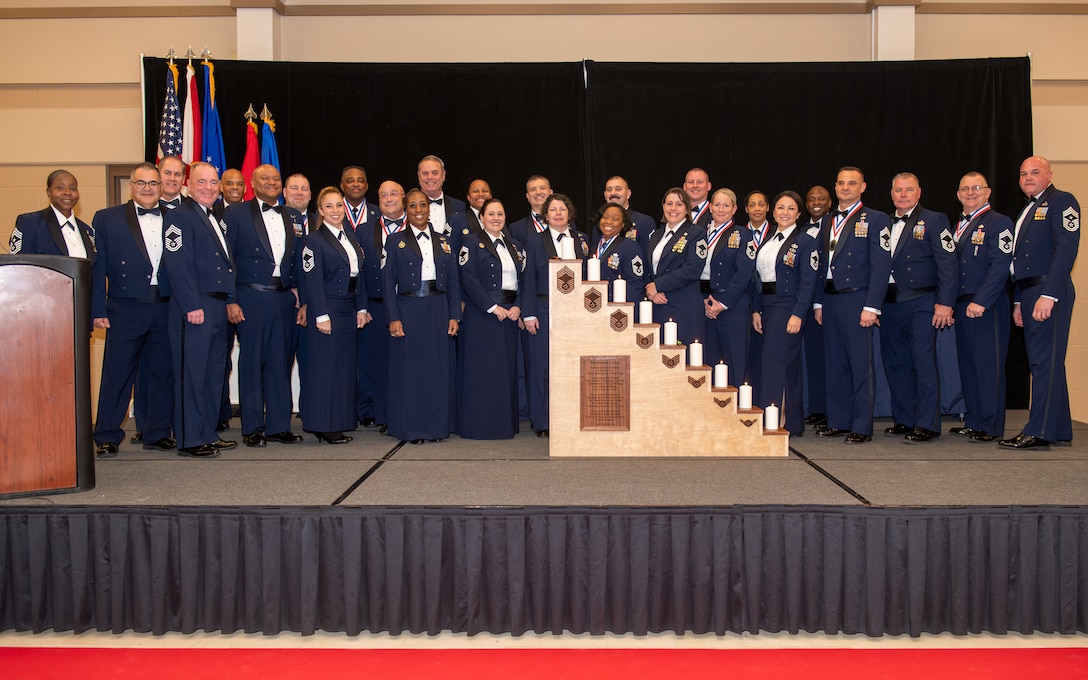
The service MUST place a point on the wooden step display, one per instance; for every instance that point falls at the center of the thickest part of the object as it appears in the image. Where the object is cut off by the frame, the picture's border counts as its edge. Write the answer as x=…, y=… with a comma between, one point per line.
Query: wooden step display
x=615, y=392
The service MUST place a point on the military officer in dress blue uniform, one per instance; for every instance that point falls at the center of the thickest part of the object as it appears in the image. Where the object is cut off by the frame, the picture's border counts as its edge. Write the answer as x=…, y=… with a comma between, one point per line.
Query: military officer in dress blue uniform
x=358, y=214
x=336, y=308
x=547, y=245
x=261, y=237
x=757, y=205
x=617, y=191
x=621, y=256
x=677, y=253
x=423, y=306
x=697, y=187
x=172, y=172
x=232, y=189
x=786, y=268
x=201, y=274
x=392, y=220
x=537, y=190
x=919, y=302
x=854, y=270
x=134, y=306
x=297, y=195
x=447, y=213
x=478, y=192
x=725, y=283
x=55, y=230
x=1045, y=245
x=818, y=203
x=983, y=317
x=492, y=272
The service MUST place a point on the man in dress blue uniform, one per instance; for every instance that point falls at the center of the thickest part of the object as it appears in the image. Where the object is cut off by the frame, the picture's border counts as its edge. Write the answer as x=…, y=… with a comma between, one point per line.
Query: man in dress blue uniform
x=921, y=293
x=261, y=238
x=1045, y=247
x=818, y=204
x=537, y=190
x=478, y=192
x=854, y=270
x=697, y=186
x=55, y=230
x=172, y=174
x=447, y=213
x=200, y=271
x=358, y=214
x=983, y=317
x=392, y=220
x=616, y=190
x=134, y=306
x=297, y=194
x=232, y=187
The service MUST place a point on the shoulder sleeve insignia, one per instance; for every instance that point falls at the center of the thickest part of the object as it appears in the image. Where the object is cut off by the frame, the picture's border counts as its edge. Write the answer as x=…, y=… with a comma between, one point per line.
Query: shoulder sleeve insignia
x=948, y=242
x=15, y=245
x=1004, y=241
x=171, y=238
x=1070, y=219
x=751, y=250
x=462, y=257
x=307, y=259
x=814, y=260
x=700, y=249
x=636, y=265
x=886, y=239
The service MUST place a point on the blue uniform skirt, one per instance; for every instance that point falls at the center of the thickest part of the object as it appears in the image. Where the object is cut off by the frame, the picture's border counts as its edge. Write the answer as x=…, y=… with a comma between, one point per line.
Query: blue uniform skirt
x=421, y=371
x=329, y=391
x=781, y=374
x=487, y=376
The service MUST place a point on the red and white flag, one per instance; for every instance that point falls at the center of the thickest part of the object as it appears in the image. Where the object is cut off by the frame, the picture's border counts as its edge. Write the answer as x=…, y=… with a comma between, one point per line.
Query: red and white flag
x=191, y=127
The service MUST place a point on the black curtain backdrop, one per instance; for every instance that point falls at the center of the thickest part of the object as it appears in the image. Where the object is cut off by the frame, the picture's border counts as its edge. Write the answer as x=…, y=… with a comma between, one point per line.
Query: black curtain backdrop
x=876, y=571
x=769, y=126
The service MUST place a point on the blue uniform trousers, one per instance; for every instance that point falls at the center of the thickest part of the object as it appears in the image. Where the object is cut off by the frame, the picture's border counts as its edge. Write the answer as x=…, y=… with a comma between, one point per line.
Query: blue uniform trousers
x=264, y=364
x=848, y=349
x=781, y=371
x=982, y=346
x=1046, y=343
x=200, y=354
x=727, y=339
x=908, y=347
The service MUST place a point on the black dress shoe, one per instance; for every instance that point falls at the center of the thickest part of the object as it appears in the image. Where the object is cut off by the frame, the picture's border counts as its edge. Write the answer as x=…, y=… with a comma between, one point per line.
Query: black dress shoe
x=224, y=443
x=368, y=422
x=417, y=442
x=896, y=430
x=830, y=432
x=332, y=437
x=982, y=437
x=136, y=438
x=255, y=439
x=383, y=428
x=164, y=444
x=287, y=437
x=1025, y=441
x=107, y=450
x=202, y=451
x=1062, y=442
x=542, y=434
x=962, y=431
x=815, y=419
x=919, y=435
x=223, y=426
x=857, y=438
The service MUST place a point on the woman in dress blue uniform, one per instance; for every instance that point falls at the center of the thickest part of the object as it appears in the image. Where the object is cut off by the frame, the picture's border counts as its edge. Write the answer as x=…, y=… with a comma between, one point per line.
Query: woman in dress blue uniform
x=55, y=230
x=760, y=229
x=620, y=256
x=786, y=267
x=726, y=283
x=547, y=245
x=336, y=310
x=423, y=306
x=677, y=253
x=492, y=269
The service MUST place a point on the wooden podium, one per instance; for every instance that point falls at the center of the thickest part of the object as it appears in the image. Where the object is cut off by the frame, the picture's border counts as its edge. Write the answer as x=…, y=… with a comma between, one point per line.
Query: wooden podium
x=46, y=444
x=616, y=392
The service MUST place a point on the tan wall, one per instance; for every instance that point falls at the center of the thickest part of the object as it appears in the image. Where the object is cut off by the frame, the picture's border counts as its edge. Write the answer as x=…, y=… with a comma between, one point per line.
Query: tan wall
x=80, y=107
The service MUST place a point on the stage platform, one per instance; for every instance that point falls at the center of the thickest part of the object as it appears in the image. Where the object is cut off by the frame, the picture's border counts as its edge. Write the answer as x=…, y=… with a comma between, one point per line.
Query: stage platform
x=468, y=536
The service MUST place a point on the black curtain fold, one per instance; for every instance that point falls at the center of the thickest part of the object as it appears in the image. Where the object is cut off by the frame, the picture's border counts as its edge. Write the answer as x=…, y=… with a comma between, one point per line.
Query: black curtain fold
x=877, y=571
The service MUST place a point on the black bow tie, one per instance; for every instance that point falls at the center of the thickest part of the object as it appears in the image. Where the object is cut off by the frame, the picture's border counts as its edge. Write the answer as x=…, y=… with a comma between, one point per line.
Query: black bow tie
x=538, y=217
x=901, y=218
x=211, y=213
x=396, y=223
x=780, y=237
x=423, y=234
x=836, y=213
x=499, y=243
x=436, y=200
x=268, y=206
x=560, y=237
x=172, y=203
x=148, y=211
x=965, y=218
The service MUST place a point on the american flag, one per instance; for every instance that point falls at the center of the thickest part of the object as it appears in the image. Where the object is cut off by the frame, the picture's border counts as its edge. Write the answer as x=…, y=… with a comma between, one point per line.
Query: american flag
x=170, y=128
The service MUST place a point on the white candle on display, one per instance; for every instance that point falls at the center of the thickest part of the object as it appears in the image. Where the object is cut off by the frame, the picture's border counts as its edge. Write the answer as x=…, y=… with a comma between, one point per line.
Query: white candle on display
x=645, y=312
x=695, y=353
x=593, y=269
x=721, y=375
x=566, y=247
x=619, y=291
x=744, y=398
x=670, y=332
x=770, y=418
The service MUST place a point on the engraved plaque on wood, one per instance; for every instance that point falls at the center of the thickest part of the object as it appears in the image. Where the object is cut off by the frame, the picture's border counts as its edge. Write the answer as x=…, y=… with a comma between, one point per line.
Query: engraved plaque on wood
x=606, y=393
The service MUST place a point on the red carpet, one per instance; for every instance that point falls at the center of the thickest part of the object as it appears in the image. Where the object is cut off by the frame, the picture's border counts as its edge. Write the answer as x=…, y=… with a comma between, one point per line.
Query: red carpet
x=18, y=663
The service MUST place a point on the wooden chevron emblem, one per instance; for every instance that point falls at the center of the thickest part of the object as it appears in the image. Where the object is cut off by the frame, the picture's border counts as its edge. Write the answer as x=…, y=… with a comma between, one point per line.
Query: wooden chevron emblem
x=644, y=341
x=671, y=362
x=749, y=423
x=564, y=281
x=593, y=300
x=619, y=321
x=696, y=382
x=723, y=402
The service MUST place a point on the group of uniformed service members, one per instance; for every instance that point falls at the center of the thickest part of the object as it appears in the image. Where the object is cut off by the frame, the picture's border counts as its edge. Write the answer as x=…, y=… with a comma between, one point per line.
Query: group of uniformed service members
x=423, y=315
